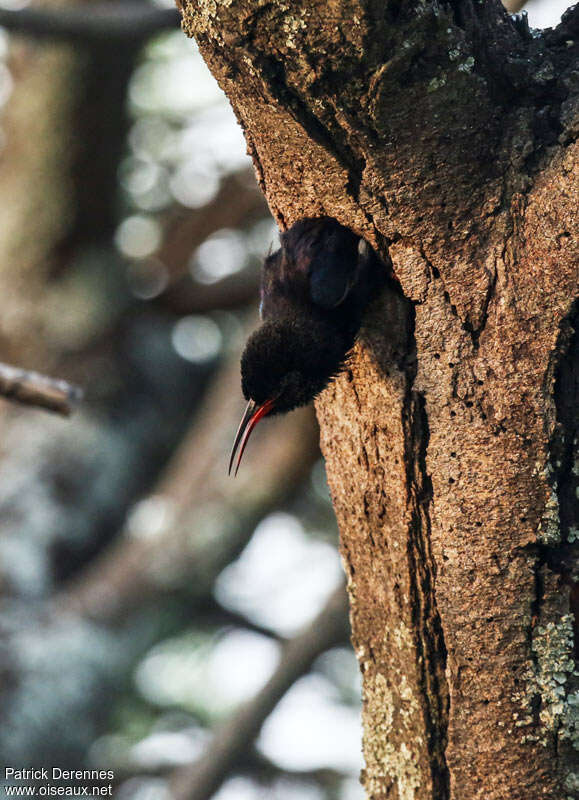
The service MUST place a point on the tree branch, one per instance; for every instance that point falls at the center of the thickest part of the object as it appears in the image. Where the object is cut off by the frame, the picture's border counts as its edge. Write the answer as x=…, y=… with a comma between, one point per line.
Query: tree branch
x=202, y=779
x=212, y=613
x=34, y=389
x=99, y=23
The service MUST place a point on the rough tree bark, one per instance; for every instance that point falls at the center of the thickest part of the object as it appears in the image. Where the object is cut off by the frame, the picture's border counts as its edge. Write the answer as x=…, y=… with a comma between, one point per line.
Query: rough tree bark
x=444, y=133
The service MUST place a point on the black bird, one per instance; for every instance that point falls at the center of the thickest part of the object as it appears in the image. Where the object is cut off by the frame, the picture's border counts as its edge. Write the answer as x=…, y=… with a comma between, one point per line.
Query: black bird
x=314, y=291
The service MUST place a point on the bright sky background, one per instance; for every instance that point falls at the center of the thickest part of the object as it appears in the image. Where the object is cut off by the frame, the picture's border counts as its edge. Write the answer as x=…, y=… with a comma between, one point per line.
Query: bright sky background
x=545, y=13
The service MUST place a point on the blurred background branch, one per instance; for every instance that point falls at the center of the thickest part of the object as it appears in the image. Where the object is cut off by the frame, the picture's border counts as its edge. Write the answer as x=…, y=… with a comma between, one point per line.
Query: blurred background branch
x=34, y=389
x=200, y=780
x=124, y=22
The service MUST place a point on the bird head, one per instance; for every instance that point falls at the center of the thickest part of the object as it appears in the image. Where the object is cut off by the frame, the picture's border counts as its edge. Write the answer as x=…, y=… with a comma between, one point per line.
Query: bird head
x=285, y=364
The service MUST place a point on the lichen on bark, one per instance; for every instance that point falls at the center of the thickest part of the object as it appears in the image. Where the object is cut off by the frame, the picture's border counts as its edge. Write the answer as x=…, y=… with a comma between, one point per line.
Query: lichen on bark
x=386, y=762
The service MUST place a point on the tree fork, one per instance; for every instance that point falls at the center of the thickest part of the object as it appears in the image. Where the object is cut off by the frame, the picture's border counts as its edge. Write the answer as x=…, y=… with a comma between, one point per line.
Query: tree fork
x=444, y=133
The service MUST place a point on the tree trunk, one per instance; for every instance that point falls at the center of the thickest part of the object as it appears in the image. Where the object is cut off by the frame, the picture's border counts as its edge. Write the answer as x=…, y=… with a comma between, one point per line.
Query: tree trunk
x=445, y=135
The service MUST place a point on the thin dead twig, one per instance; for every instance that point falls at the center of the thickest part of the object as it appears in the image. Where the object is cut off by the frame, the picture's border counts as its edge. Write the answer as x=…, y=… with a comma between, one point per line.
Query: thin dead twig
x=34, y=389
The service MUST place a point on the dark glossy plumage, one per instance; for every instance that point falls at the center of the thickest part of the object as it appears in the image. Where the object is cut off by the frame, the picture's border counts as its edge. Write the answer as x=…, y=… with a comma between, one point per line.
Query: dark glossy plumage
x=291, y=360
x=314, y=291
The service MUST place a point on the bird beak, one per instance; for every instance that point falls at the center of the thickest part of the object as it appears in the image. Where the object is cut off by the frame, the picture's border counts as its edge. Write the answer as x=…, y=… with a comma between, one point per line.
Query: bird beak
x=253, y=413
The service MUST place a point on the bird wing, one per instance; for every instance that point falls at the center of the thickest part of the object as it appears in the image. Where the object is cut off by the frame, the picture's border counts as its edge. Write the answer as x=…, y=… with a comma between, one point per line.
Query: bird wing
x=318, y=263
x=324, y=255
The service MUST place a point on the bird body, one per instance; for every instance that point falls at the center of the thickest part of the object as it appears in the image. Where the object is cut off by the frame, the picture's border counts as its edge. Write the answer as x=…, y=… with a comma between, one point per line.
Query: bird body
x=314, y=291
x=319, y=272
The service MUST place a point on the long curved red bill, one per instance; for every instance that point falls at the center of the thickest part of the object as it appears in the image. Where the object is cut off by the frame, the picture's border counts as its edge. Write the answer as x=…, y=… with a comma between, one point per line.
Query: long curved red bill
x=253, y=413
